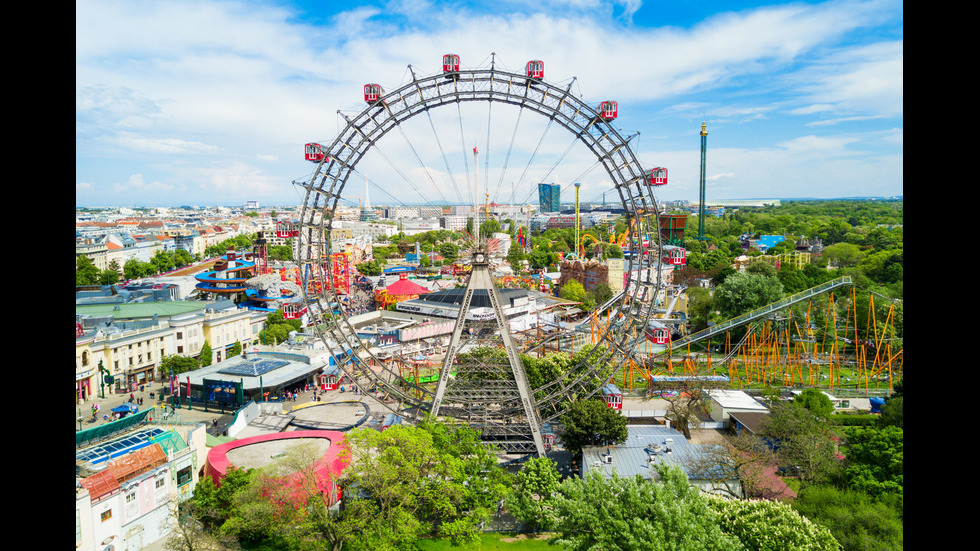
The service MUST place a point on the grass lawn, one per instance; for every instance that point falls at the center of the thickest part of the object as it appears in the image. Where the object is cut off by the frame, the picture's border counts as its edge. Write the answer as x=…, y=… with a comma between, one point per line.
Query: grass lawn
x=491, y=542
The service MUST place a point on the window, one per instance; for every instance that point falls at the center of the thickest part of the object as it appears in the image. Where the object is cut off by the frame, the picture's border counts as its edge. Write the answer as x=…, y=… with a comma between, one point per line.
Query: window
x=160, y=482
x=106, y=515
x=130, y=497
x=184, y=476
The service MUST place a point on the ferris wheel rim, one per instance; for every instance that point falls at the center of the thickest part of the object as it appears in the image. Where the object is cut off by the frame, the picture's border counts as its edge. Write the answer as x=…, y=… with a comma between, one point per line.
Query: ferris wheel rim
x=341, y=159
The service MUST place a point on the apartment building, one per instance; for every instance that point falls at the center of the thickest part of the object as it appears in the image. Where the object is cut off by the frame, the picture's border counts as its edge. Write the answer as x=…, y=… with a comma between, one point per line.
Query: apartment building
x=130, y=476
x=131, y=344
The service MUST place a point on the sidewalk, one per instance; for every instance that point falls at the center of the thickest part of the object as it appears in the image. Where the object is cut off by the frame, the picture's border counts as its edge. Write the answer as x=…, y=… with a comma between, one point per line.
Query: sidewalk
x=111, y=400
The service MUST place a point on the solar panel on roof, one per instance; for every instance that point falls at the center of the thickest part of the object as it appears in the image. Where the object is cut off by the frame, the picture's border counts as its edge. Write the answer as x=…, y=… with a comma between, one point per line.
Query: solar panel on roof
x=119, y=447
x=253, y=367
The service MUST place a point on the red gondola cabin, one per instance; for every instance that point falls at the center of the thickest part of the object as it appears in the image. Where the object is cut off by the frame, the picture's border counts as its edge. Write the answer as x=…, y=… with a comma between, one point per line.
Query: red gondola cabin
x=292, y=311
x=332, y=379
x=612, y=396
x=608, y=110
x=372, y=93
x=450, y=63
x=676, y=256
x=657, y=176
x=658, y=335
x=535, y=69
x=314, y=152
x=285, y=230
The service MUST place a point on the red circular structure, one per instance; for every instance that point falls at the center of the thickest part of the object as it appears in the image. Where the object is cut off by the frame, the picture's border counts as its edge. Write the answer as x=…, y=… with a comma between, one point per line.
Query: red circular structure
x=329, y=467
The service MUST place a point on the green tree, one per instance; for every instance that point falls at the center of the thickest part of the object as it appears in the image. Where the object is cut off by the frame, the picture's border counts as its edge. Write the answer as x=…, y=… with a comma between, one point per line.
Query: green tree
x=449, y=251
x=235, y=350
x=85, y=271
x=214, y=504
x=842, y=255
x=743, y=292
x=206, y=354
x=540, y=259
x=699, y=307
x=162, y=262
x=765, y=525
x=574, y=291
x=638, y=515
x=875, y=460
x=136, y=269
x=531, y=500
x=178, y=364
x=892, y=413
x=858, y=521
x=592, y=423
x=370, y=268
x=803, y=442
x=817, y=402
x=108, y=277
x=414, y=481
x=274, y=334
x=303, y=508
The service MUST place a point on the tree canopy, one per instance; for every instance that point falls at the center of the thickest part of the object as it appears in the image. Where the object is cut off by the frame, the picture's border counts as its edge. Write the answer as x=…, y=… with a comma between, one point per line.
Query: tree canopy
x=592, y=423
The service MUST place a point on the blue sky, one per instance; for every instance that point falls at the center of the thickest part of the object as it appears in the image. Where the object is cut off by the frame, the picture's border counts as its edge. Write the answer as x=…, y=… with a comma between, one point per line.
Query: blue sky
x=210, y=103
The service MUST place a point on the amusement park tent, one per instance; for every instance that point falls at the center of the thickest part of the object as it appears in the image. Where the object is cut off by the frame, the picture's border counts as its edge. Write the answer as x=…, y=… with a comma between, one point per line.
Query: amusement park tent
x=404, y=287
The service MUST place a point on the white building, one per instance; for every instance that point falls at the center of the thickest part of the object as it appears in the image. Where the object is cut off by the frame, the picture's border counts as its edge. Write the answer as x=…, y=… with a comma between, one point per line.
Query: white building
x=453, y=222
x=126, y=485
x=367, y=228
x=726, y=401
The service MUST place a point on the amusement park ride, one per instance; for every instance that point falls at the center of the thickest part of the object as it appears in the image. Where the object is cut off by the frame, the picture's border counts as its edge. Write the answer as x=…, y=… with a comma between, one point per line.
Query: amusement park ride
x=481, y=380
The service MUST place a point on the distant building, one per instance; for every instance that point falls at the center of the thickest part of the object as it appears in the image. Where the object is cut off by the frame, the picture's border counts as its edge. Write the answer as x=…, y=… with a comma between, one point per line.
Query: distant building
x=453, y=222
x=549, y=197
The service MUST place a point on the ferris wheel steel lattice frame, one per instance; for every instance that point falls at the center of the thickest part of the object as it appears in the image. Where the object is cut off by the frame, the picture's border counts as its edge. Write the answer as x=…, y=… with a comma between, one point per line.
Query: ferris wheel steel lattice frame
x=633, y=306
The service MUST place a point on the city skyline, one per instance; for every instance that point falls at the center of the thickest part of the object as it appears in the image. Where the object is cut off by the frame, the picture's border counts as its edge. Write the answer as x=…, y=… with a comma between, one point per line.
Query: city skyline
x=210, y=103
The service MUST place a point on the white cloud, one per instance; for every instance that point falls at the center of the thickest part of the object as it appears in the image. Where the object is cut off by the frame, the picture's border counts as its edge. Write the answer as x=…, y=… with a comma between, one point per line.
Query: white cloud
x=226, y=84
x=137, y=186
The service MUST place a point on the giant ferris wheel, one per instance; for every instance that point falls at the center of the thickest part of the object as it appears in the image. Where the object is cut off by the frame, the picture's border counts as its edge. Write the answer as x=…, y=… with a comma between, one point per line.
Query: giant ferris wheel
x=435, y=119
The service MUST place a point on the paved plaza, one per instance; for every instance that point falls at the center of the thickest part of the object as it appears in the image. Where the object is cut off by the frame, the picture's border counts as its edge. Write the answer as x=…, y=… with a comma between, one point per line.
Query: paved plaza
x=335, y=410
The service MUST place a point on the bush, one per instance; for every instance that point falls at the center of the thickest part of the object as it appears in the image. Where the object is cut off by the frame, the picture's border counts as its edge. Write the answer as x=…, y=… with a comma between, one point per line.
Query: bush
x=859, y=522
x=771, y=526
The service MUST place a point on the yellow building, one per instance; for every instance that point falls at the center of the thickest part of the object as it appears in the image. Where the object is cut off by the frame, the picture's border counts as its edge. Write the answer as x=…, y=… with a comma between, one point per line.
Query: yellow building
x=131, y=349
